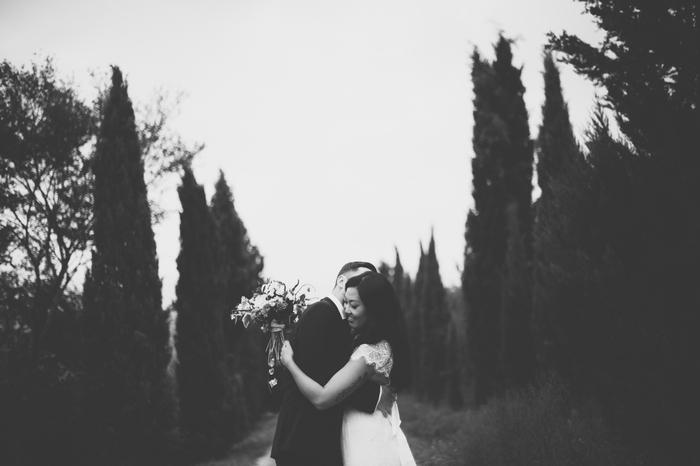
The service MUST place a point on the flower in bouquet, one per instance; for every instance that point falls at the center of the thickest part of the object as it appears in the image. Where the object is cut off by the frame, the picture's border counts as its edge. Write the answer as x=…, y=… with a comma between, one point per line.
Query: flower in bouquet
x=274, y=307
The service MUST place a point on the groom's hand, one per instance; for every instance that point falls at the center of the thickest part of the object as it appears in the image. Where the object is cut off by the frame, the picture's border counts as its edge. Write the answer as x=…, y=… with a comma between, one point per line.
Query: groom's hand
x=386, y=400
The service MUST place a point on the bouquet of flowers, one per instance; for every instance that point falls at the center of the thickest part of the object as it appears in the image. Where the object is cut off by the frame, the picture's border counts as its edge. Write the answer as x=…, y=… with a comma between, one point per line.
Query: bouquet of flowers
x=275, y=307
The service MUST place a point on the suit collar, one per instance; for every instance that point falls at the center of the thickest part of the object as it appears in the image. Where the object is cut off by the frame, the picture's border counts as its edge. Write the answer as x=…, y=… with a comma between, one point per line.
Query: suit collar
x=337, y=304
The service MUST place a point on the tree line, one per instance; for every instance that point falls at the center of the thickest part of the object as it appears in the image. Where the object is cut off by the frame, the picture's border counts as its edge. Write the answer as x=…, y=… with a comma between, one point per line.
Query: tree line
x=105, y=374
x=595, y=280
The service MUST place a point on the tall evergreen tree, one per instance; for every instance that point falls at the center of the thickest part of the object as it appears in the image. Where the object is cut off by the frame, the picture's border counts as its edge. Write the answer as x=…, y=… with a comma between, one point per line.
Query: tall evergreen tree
x=242, y=265
x=404, y=289
x=201, y=369
x=434, y=324
x=385, y=269
x=516, y=350
x=127, y=350
x=455, y=348
x=416, y=329
x=560, y=165
x=398, y=279
x=485, y=236
x=517, y=346
x=502, y=177
x=649, y=64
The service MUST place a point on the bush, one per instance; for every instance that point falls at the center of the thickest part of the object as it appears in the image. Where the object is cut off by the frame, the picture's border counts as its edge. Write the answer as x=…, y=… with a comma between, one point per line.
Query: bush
x=543, y=425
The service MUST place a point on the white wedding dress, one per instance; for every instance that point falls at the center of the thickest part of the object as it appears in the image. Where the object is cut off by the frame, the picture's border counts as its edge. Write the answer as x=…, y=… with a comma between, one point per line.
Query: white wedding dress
x=372, y=439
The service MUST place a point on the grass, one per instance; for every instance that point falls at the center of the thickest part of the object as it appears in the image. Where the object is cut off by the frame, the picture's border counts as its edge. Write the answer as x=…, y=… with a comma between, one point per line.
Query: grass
x=542, y=425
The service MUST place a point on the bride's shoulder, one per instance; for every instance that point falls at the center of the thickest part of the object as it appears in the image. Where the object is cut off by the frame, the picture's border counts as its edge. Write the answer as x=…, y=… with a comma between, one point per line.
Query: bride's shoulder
x=372, y=351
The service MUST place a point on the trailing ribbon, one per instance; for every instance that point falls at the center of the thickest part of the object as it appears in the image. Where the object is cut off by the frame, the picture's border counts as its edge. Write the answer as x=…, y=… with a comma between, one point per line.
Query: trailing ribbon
x=274, y=348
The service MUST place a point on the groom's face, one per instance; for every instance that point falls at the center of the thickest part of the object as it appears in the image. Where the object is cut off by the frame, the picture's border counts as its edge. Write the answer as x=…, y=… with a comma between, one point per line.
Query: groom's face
x=345, y=277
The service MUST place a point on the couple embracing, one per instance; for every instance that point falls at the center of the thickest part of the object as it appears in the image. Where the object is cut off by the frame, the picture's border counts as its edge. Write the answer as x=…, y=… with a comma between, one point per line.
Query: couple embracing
x=345, y=358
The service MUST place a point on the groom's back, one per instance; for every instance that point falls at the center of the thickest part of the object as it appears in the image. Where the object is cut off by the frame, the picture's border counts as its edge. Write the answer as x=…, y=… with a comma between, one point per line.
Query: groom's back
x=321, y=342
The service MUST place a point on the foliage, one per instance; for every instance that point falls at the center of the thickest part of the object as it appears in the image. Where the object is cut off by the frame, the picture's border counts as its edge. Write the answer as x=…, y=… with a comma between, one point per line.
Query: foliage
x=561, y=216
x=544, y=425
x=432, y=352
x=495, y=283
x=45, y=131
x=630, y=282
x=126, y=354
x=163, y=150
x=201, y=369
x=649, y=59
x=242, y=266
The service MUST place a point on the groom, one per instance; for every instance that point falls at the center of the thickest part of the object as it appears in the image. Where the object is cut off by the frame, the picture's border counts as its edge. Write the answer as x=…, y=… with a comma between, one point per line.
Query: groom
x=321, y=341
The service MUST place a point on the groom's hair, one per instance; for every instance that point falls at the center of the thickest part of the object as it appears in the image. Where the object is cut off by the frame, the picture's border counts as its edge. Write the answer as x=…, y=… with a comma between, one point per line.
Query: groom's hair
x=352, y=266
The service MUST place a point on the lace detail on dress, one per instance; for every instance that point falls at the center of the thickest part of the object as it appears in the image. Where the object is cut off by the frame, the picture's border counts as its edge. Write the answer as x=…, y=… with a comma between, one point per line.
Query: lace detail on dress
x=377, y=355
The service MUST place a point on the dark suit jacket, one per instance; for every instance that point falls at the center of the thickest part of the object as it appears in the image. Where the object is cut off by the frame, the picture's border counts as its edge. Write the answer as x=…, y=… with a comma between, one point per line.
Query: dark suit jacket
x=321, y=342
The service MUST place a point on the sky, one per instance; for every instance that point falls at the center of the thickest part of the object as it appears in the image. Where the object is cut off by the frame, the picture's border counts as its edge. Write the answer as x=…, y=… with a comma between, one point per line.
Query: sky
x=343, y=127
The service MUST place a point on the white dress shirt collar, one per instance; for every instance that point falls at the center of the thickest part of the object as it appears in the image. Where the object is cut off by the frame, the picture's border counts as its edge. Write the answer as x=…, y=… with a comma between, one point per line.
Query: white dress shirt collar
x=338, y=304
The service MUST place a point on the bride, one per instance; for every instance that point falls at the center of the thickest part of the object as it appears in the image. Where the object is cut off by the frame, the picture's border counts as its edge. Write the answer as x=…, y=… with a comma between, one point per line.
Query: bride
x=380, y=354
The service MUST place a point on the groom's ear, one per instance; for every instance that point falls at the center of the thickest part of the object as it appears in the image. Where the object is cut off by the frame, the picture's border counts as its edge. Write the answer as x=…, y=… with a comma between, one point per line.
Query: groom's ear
x=340, y=281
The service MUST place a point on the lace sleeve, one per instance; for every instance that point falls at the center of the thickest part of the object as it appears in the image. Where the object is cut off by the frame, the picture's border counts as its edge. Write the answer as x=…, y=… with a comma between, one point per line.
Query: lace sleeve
x=378, y=356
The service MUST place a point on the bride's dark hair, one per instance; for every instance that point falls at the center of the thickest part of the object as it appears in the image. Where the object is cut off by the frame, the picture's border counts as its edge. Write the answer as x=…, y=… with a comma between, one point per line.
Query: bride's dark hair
x=385, y=321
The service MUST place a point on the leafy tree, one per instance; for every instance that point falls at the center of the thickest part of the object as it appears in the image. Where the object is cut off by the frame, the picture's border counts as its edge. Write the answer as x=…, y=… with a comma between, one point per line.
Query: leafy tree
x=46, y=202
x=127, y=350
x=201, y=369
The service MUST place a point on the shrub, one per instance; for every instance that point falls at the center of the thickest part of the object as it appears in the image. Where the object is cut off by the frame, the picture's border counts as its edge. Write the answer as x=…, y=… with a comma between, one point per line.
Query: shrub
x=542, y=425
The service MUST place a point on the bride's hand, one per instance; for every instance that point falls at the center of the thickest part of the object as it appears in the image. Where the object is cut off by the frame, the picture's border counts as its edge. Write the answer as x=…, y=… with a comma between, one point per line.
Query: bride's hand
x=287, y=354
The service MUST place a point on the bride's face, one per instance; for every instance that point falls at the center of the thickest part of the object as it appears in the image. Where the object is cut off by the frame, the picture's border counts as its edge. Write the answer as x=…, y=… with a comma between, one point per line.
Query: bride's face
x=354, y=309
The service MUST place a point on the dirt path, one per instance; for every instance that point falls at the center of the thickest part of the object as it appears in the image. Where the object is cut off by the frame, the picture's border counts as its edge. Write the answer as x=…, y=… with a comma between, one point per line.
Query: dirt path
x=429, y=431
x=255, y=449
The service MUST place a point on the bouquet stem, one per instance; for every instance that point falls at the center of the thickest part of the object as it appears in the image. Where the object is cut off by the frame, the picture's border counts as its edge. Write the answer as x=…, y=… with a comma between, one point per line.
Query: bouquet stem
x=274, y=348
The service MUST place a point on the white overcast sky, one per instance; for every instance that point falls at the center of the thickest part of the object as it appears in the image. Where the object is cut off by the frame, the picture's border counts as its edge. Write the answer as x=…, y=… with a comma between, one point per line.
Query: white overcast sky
x=343, y=126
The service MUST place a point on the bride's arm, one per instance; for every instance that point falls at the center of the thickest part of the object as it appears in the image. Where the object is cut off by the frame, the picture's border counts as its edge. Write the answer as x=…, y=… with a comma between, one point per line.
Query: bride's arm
x=340, y=386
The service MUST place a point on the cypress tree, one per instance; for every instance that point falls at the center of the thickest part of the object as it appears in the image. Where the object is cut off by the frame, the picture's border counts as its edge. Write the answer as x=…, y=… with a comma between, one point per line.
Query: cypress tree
x=127, y=351
x=492, y=282
x=560, y=165
x=398, y=279
x=385, y=269
x=245, y=358
x=456, y=361
x=416, y=329
x=404, y=290
x=516, y=350
x=435, y=320
x=650, y=221
x=517, y=347
x=485, y=236
x=201, y=370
